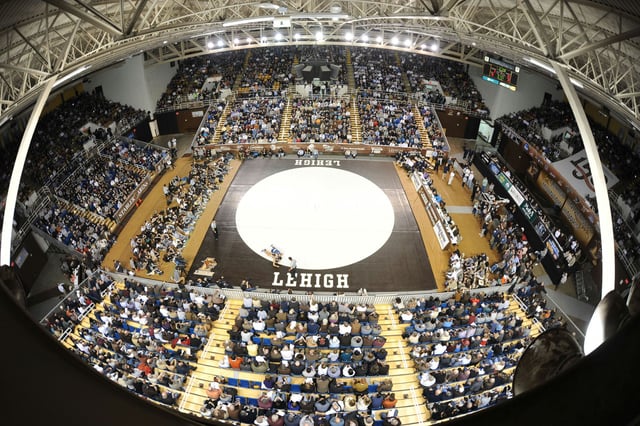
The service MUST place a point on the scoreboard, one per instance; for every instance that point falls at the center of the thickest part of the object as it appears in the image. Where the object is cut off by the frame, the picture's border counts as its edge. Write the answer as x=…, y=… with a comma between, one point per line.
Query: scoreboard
x=501, y=73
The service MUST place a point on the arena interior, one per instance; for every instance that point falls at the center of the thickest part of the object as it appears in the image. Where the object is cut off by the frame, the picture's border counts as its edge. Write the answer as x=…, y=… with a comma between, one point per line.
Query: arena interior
x=320, y=213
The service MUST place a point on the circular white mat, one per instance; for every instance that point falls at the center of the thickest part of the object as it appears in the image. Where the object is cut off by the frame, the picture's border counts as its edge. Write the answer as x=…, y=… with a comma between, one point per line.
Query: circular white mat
x=325, y=218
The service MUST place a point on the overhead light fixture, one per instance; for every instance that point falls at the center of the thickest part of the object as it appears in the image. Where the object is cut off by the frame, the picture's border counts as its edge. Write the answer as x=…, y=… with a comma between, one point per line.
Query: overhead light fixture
x=236, y=40
x=246, y=21
x=379, y=39
x=394, y=40
x=365, y=37
x=278, y=36
x=210, y=45
x=541, y=65
x=319, y=36
x=407, y=42
x=423, y=46
x=71, y=75
x=348, y=36
x=220, y=43
x=312, y=16
x=435, y=46
x=165, y=42
x=473, y=43
x=268, y=6
x=249, y=39
x=296, y=36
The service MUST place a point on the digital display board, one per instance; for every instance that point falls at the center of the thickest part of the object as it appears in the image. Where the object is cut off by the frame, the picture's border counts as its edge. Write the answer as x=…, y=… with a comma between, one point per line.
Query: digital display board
x=501, y=73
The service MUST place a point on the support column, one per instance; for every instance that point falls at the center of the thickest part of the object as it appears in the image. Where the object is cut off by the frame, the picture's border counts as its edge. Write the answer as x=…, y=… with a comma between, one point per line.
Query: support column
x=599, y=183
x=16, y=175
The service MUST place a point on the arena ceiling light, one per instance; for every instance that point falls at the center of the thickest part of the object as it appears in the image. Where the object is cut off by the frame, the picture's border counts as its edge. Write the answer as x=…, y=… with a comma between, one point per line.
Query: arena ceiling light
x=379, y=39
x=296, y=36
x=364, y=38
x=435, y=46
x=552, y=71
x=319, y=36
x=210, y=45
x=246, y=21
x=278, y=36
x=348, y=36
x=236, y=40
x=220, y=43
x=407, y=42
x=267, y=5
x=394, y=40
x=71, y=75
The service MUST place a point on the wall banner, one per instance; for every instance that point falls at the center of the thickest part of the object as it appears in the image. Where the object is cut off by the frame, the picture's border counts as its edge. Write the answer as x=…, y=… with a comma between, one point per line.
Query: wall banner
x=576, y=171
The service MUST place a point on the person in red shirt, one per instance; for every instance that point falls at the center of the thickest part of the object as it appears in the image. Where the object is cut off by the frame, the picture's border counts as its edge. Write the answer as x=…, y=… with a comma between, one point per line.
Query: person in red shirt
x=235, y=362
x=389, y=401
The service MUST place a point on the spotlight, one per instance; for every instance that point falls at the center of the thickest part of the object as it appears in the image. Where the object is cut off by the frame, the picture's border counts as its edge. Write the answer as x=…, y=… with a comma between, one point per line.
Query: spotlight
x=220, y=43
x=319, y=36
x=434, y=46
x=379, y=39
x=407, y=42
x=236, y=40
x=348, y=36
x=278, y=36
x=210, y=45
x=296, y=36
x=365, y=37
x=394, y=40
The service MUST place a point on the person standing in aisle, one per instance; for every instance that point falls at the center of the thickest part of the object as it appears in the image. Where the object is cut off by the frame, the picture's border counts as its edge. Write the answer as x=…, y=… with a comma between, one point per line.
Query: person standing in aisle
x=214, y=228
x=452, y=174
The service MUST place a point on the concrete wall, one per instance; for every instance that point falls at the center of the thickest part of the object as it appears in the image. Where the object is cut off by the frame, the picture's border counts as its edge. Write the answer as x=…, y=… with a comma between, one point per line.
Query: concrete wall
x=531, y=89
x=131, y=83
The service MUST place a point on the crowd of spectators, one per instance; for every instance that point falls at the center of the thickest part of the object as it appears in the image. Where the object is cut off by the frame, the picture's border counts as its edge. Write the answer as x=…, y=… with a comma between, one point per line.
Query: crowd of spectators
x=376, y=72
x=267, y=73
x=388, y=121
x=61, y=134
x=320, y=120
x=190, y=80
x=164, y=235
x=434, y=129
x=207, y=131
x=253, y=120
x=75, y=231
x=529, y=124
x=143, y=338
x=126, y=151
x=102, y=185
x=464, y=349
x=335, y=347
x=452, y=77
x=619, y=158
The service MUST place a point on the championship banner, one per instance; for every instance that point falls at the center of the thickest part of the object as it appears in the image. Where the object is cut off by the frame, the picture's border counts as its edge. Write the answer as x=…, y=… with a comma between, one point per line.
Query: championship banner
x=576, y=171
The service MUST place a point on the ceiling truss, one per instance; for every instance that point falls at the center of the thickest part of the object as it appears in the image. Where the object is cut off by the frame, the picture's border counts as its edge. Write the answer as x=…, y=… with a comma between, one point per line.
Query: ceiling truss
x=596, y=44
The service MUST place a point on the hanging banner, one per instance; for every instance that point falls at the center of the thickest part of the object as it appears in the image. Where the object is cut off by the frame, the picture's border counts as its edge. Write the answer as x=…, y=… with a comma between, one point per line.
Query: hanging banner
x=576, y=171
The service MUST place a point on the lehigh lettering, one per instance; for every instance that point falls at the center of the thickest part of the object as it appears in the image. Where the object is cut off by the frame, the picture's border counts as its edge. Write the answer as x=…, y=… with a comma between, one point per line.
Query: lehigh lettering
x=307, y=280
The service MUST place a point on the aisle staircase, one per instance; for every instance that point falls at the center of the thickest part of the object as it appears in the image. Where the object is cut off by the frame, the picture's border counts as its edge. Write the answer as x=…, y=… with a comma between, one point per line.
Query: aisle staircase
x=424, y=134
x=82, y=212
x=222, y=120
x=284, y=135
x=355, y=124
